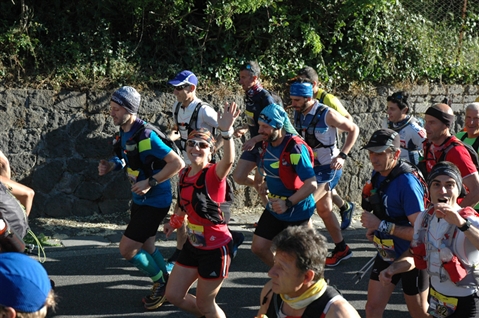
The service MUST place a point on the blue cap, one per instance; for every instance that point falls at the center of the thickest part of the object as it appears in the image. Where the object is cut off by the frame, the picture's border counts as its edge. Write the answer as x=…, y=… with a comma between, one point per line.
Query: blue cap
x=24, y=283
x=184, y=77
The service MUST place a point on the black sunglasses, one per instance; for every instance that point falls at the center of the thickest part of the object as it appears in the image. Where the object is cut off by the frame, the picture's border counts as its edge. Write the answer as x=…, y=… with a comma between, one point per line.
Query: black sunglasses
x=181, y=87
x=200, y=144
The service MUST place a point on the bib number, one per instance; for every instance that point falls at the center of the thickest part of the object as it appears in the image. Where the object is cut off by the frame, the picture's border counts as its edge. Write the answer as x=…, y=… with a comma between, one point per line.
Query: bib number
x=385, y=248
x=196, y=235
x=441, y=306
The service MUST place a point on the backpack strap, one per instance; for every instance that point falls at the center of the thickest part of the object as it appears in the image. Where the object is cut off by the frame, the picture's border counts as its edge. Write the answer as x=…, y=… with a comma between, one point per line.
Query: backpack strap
x=475, y=145
x=323, y=95
x=194, y=118
x=177, y=110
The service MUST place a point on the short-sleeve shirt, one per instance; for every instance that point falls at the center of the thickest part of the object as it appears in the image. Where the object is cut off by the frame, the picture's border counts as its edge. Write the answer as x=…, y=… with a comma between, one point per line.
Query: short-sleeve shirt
x=151, y=146
x=403, y=197
x=331, y=101
x=457, y=155
x=303, y=167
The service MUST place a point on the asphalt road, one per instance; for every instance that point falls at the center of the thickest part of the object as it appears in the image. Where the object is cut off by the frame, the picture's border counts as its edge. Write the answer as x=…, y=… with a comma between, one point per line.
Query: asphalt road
x=94, y=281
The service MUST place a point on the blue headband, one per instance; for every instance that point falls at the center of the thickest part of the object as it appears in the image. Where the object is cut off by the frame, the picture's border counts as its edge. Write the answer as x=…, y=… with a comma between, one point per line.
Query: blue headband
x=304, y=89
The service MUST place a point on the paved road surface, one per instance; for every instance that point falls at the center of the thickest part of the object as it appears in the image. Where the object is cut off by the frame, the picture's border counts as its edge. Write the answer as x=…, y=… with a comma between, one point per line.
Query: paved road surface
x=92, y=279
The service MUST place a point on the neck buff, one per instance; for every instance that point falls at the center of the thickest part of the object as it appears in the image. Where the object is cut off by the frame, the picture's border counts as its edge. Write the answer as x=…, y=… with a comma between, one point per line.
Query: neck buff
x=310, y=295
x=255, y=89
x=446, y=119
x=400, y=124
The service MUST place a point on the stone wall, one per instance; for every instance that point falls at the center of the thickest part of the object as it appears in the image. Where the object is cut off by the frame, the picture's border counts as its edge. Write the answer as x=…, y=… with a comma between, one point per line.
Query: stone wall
x=54, y=141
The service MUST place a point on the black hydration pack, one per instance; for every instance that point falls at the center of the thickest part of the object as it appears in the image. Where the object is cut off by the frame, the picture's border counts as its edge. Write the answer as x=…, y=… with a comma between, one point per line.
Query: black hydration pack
x=133, y=154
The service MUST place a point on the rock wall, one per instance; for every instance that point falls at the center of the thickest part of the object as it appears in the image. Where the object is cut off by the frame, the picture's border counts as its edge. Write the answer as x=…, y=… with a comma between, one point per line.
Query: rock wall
x=54, y=141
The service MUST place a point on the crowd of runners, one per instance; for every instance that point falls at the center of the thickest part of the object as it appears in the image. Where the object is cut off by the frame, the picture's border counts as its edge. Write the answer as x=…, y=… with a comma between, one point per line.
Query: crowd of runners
x=417, y=207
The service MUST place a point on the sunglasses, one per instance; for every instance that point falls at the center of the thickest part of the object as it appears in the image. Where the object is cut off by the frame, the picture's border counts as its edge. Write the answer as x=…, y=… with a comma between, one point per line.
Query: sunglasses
x=200, y=144
x=395, y=97
x=181, y=87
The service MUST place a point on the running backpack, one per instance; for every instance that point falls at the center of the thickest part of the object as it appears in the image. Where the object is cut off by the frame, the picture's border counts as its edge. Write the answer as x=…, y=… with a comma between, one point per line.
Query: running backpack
x=13, y=212
x=135, y=157
x=475, y=145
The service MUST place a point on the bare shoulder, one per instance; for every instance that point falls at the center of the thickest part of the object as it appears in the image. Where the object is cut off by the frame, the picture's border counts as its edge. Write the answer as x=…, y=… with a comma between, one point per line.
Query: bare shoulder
x=342, y=309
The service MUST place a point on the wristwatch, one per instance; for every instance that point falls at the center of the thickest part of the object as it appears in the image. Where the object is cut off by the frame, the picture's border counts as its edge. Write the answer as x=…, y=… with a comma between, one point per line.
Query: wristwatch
x=465, y=227
x=288, y=203
x=152, y=182
x=342, y=155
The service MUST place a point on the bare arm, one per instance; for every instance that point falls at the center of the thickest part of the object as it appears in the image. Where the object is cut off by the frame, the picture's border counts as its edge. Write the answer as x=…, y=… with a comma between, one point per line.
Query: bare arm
x=472, y=183
x=225, y=123
x=452, y=216
x=23, y=193
x=342, y=309
x=5, y=166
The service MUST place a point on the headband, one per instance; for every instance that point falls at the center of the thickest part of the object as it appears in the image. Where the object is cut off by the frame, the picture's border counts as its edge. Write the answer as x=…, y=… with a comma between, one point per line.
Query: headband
x=203, y=134
x=445, y=118
x=443, y=169
x=303, y=89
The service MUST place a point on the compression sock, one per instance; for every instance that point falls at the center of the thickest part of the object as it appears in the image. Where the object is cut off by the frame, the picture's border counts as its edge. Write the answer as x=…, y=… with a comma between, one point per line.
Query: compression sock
x=159, y=260
x=344, y=207
x=341, y=246
x=146, y=264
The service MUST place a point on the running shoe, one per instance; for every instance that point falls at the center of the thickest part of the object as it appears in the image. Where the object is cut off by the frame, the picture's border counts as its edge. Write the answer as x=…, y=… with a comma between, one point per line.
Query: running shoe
x=347, y=216
x=157, y=296
x=238, y=239
x=337, y=256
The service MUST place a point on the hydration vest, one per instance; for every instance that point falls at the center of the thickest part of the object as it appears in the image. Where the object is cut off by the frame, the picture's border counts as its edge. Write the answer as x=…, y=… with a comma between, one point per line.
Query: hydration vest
x=287, y=172
x=203, y=205
x=472, y=277
x=134, y=162
x=193, y=123
x=308, y=132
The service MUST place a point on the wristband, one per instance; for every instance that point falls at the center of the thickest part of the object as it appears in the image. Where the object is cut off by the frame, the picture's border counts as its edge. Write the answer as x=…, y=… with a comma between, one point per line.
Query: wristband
x=385, y=227
x=227, y=134
x=226, y=138
x=392, y=229
x=176, y=221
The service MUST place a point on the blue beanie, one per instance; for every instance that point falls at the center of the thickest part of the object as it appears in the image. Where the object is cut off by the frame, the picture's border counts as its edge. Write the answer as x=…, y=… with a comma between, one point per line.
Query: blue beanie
x=275, y=116
x=304, y=89
x=24, y=283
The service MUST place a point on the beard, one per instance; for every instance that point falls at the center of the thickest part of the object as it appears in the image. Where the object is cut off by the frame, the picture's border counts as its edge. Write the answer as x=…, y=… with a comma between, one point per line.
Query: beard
x=274, y=135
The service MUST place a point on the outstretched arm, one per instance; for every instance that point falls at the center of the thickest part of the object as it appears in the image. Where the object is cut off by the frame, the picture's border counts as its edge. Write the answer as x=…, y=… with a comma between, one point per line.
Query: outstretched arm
x=226, y=120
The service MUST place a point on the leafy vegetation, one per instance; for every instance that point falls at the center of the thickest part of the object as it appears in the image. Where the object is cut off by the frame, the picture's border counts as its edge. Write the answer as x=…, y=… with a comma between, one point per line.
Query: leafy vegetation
x=88, y=44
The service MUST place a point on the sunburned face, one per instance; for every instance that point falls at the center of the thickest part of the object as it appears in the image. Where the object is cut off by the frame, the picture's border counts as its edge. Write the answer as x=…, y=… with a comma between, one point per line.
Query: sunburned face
x=435, y=129
x=443, y=189
x=383, y=162
x=285, y=276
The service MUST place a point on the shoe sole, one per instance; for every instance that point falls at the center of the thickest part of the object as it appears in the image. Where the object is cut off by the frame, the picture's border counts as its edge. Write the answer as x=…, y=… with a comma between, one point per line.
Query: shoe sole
x=339, y=261
x=350, y=216
x=157, y=305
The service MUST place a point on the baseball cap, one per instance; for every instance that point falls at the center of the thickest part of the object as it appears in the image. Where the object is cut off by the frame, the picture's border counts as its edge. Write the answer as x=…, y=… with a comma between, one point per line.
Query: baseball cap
x=184, y=77
x=382, y=139
x=24, y=282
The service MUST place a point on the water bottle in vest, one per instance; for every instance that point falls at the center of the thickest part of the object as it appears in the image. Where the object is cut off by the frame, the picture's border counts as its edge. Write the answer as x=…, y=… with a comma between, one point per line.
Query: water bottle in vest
x=9, y=240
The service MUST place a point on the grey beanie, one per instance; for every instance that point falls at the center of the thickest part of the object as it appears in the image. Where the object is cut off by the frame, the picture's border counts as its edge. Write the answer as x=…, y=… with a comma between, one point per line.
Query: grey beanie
x=128, y=98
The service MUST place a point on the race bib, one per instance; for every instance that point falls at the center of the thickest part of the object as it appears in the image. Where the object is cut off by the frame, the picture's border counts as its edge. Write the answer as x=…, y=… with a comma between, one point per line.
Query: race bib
x=196, y=235
x=249, y=118
x=441, y=306
x=385, y=248
x=132, y=175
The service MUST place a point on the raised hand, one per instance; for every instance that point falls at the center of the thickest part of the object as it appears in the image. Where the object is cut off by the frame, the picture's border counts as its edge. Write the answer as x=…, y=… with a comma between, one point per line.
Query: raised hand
x=227, y=118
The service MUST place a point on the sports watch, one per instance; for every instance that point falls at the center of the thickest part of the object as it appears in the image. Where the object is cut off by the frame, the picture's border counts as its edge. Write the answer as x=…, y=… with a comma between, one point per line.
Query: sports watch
x=152, y=182
x=342, y=155
x=288, y=203
x=465, y=227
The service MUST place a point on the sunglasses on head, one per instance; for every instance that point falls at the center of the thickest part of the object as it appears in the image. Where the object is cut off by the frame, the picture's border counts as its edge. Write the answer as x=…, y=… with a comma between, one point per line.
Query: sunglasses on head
x=395, y=97
x=200, y=144
x=181, y=87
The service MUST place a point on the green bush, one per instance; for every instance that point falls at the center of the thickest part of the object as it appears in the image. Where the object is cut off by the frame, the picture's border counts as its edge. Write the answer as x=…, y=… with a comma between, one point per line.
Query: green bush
x=103, y=44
